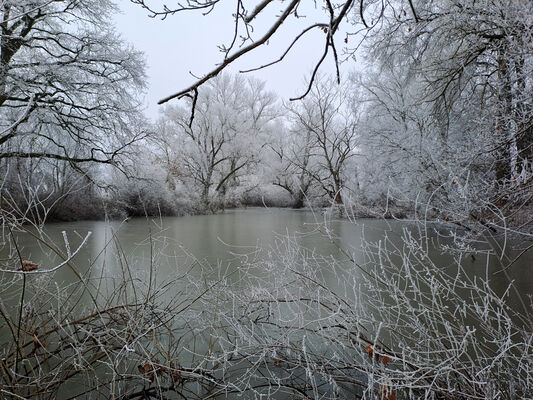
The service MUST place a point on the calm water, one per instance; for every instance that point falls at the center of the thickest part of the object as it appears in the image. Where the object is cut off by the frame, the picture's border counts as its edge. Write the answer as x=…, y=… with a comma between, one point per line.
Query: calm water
x=221, y=244
x=212, y=246
x=177, y=244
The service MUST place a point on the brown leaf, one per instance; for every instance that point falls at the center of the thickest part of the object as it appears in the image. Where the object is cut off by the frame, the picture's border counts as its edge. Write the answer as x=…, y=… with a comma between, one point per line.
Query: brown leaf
x=386, y=393
x=176, y=376
x=144, y=369
x=150, y=370
x=370, y=350
x=36, y=342
x=28, y=266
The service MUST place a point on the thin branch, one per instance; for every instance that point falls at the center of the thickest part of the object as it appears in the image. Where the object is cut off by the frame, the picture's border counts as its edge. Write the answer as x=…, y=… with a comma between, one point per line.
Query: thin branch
x=235, y=56
x=46, y=271
x=317, y=25
x=257, y=10
x=236, y=30
x=334, y=25
x=313, y=75
x=361, y=13
x=194, y=100
x=413, y=11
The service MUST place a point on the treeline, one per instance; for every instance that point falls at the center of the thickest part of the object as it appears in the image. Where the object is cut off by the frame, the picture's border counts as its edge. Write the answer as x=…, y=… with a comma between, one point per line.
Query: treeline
x=439, y=123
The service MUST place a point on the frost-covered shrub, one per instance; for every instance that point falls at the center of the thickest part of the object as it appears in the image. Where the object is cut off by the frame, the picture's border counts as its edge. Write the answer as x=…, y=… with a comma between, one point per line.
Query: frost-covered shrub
x=148, y=193
x=82, y=203
x=41, y=190
x=96, y=335
x=267, y=195
x=401, y=320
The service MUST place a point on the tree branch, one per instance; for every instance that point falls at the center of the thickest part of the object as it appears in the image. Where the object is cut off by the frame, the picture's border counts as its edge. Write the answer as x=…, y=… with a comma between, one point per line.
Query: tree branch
x=235, y=56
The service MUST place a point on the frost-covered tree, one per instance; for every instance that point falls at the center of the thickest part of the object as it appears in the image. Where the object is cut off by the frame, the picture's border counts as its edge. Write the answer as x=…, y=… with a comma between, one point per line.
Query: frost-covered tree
x=451, y=104
x=400, y=154
x=325, y=117
x=217, y=148
x=70, y=92
x=467, y=65
x=69, y=85
x=290, y=163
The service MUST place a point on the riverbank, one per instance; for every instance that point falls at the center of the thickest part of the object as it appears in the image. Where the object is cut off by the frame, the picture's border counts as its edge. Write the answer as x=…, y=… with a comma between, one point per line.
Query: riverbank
x=94, y=206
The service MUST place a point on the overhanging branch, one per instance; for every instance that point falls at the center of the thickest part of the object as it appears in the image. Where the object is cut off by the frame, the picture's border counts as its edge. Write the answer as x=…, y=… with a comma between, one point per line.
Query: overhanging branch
x=236, y=55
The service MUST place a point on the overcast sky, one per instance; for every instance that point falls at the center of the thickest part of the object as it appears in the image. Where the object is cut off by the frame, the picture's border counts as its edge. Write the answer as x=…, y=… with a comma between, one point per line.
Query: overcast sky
x=187, y=42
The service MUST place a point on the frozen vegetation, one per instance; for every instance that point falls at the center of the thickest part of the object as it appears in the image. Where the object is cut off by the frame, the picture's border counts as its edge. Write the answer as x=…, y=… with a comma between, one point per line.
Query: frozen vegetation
x=436, y=128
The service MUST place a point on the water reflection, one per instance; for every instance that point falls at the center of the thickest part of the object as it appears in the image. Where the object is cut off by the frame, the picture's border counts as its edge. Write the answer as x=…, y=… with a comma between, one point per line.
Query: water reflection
x=247, y=248
x=174, y=245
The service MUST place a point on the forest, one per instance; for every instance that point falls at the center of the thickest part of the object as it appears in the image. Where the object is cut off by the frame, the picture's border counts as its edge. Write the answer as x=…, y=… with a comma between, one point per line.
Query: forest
x=433, y=125
x=440, y=119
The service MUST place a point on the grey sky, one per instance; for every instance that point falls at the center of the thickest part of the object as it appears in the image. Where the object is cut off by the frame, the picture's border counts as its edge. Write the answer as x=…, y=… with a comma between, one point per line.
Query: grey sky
x=187, y=42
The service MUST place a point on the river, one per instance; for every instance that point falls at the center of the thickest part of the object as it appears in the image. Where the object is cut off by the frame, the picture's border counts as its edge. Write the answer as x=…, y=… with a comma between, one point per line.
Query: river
x=176, y=242
x=209, y=247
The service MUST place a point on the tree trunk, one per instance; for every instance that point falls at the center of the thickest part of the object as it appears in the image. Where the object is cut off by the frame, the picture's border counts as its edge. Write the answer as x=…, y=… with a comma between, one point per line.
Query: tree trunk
x=298, y=200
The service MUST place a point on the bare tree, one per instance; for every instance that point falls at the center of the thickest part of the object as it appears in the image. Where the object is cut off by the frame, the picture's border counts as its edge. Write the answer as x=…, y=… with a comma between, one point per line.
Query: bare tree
x=224, y=138
x=326, y=116
x=69, y=86
x=291, y=162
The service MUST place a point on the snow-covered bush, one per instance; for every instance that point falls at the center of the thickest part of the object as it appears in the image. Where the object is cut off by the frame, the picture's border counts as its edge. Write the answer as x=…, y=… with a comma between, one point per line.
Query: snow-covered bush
x=396, y=319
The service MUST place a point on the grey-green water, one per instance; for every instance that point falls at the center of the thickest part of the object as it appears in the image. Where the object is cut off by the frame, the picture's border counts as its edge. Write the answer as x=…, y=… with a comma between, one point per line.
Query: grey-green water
x=220, y=244
x=175, y=243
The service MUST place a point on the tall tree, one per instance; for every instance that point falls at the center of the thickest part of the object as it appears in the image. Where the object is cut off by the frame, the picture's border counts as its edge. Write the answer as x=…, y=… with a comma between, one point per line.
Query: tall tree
x=290, y=163
x=466, y=68
x=69, y=86
x=70, y=97
x=327, y=117
x=223, y=140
